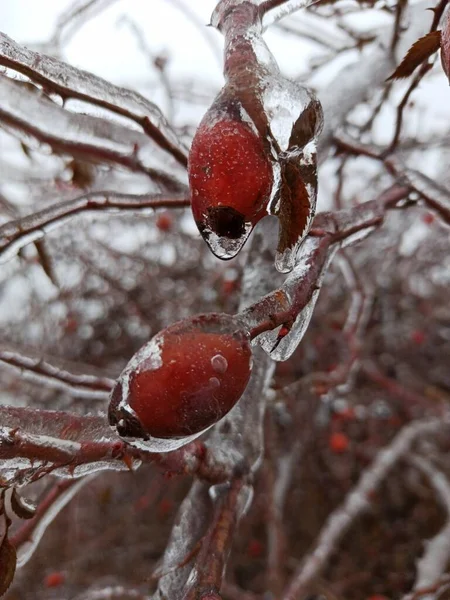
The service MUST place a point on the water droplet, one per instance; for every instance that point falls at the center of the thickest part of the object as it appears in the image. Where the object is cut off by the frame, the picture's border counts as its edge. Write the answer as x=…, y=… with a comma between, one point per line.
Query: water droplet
x=223, y=246
x=219, y=363
x=214, y=382
x=285, y=261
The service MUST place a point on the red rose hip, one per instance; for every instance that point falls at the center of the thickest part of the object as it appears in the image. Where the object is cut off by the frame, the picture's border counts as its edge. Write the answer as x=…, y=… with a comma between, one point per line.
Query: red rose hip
x=181, y=382
x=230, y=177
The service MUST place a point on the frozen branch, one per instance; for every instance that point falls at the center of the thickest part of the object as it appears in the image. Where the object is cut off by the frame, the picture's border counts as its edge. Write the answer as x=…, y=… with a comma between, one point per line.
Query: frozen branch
x=58, y=377
x=35, y=442
x=68, y=82
x=433, y=563
x=356, y=81
x=408, y=398
x=27, y=538
x=278, y=9
x=357, y=502
x=435, y=196
x=292, y=305
x=20, y=232
x=113, y=593
x=75, y=17
x=88, y=137
x=205, y=580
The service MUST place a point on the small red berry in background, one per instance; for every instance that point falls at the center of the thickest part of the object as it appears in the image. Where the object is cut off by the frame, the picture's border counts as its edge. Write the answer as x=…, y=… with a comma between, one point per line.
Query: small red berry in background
x=164, y=221
x=54, y=579
x=183, y=380
x=347, y=414
x=338, y=442
x=165, y=507
x=418, y=337
x=428, y=218
x=229, y=286
x=377, y=597
x=142, y=503
x=255, y=549
x=70, y=325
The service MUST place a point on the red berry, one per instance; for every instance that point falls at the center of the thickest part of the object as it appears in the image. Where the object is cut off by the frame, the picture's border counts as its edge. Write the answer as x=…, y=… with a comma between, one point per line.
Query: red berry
x=183, y=381
x=255, y=549
x=70, y=325
x=54, y=579
x=428, y=218
x=165, y=507
x=230, y=177
x=346, y=414
x=338, y=442
x=164, y=222
x=418, y=337
x=229, y=286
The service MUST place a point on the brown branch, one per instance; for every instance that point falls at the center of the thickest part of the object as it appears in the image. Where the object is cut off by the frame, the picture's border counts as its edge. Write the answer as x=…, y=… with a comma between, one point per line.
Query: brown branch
x=399, y=10
x=91, y=138
x=408, y=398
x=295, y=5
x=57, y=376
x=401, y=107
x=69, y=82
x=357, y=501
x=434, y=196
x=211, y=561
x=282, y=306
x=20, y=232
x=75, y=17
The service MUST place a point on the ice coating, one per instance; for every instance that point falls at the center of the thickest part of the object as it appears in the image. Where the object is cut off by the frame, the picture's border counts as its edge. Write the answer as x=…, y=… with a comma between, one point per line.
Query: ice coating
x=181, y=382
x=98, y=90
x=148, y=358
x=27, y=549
x=254, y=152
x=219, y=363
x=290, y=342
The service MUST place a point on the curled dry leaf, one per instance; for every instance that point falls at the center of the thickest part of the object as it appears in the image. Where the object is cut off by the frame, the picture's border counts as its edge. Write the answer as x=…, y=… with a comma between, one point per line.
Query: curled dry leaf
x=23, y=508
x=7, y=551
x=445, y=46
x=425, y=47
x=8, y=561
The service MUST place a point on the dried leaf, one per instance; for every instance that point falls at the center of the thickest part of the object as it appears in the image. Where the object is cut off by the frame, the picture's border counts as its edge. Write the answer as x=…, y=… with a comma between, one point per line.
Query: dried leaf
x=417, y=54
x=445, y=46
x=45, y=261
x=295, y=207
x=23, y=508
x=8, y=561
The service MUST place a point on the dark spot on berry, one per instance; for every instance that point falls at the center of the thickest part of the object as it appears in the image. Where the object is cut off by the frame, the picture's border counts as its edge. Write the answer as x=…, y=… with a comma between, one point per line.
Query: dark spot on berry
x=226, y=221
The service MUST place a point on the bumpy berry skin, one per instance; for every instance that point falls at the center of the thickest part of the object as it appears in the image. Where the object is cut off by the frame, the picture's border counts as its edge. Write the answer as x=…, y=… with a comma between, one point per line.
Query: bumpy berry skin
x=183, y=381
x=230, y=175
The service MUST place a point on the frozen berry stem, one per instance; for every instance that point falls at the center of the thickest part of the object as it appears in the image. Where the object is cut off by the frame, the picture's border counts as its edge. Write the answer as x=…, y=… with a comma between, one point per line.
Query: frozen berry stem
x=329, y=231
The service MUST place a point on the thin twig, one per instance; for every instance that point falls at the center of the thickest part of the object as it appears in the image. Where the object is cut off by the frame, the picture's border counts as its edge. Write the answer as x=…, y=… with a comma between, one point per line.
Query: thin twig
x=357, y=501
x=17, y=234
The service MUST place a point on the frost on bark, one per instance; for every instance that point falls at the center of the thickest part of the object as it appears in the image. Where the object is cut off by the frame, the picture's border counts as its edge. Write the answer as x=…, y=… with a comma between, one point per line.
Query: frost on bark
x=268, y=422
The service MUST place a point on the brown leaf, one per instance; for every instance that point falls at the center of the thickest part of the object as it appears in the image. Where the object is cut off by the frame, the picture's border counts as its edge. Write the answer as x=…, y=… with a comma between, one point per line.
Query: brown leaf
x=417, y=54
x=295, y=206
x=8, y=561
x=22, y=507
x=445, y=46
